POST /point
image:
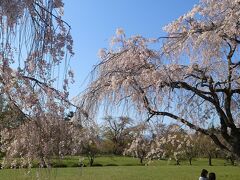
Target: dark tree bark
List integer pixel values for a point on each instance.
(178, 162)
(209, 159)
(190, 161)
(91, 159)
(141, 160)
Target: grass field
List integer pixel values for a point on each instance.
(130, 161)
(124, 168)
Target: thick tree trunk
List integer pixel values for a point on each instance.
(236, 146)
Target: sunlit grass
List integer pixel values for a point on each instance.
(124, 168)
(124, 172)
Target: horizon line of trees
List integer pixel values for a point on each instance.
(116, 136)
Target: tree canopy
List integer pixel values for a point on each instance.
(34, 56)
(34, 76)
(192, 78)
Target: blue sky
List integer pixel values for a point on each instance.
(94, 22)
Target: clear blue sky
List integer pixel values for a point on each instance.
(94, 22)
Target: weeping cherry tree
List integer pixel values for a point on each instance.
(35, 49)
(192, 78)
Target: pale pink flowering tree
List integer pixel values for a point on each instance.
(34, 77)
(39, 141)
(173, 143)
(206, 147)
(119, 131)
(91, 145)
(140, 145)
(165, 142)
(139, 148)
(34, 49)
(193, 78)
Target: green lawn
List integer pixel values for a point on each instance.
(101, 161)
(124, 173)
(124, 168)
(130, 161)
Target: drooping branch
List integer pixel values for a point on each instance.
(58, 93)
(175, 117)
(51, 14)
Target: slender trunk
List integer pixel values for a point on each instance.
(190, 161)
(232, 160)
(43, 162)
(91, 161)
(143, 153)
(209, 159)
